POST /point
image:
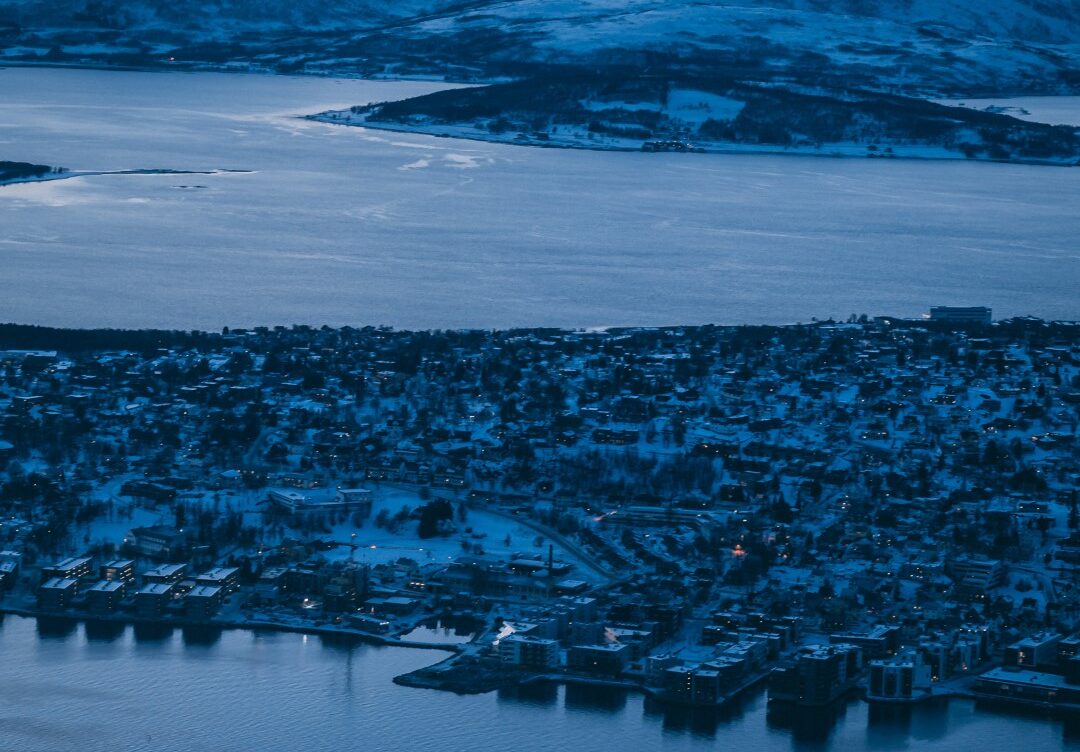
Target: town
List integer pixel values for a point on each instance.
(875, 507)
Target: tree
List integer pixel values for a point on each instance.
(432, 515)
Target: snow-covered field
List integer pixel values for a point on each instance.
(352, 226)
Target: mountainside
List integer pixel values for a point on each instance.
(820, 76)
(915, 46)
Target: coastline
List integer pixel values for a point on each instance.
(231, 624)
(836, 151)
(840, 151)
(67, 175)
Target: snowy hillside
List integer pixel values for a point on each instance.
(683, 113)
(925, 46)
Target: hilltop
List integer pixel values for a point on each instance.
(945, 46)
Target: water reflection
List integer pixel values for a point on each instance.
(103, 631)
(579, 697)
(810, 727)
(57, 683)
(444, 630)
(894, 726)
(151, 632)
(541, 694)
(202, 635)
(343, 643)
(56, 627)
(700, 721)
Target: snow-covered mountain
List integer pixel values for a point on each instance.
(916, 46)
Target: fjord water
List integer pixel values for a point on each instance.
(336, 225)
(67, 687)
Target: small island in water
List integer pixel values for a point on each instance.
(16, 172)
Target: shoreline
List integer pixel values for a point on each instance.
(232, 624)
(734, 149)
(67, 175)
(748, 150)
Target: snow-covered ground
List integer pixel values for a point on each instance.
(483, 531)
(348, 225)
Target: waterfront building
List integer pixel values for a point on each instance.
(961, 314)
(901, 677)
(394, 605)
(818, 675)
(203, 601)
(1028, 688)
(56, 593)
(152, 600)
(524, 651)
(105, 596)
(369, 624)
(609, 659)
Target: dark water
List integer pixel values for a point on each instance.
(78, 687)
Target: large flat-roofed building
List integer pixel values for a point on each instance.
(975, 576)
(1027, 688)
(880, 642)
(118, 569)
(105, 596)
(1035, 652)
(159, 541)
(227, 578)
(529, 652)
(369, 624)
(203, 601)
(68, 569)
(152, 599)
(304, 502)
(961, 314)
(818, 675)
(56, 593)
(900, 677)
(165, 574)
(609, 659)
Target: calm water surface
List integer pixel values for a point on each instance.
(336, 225)
(70, 688)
